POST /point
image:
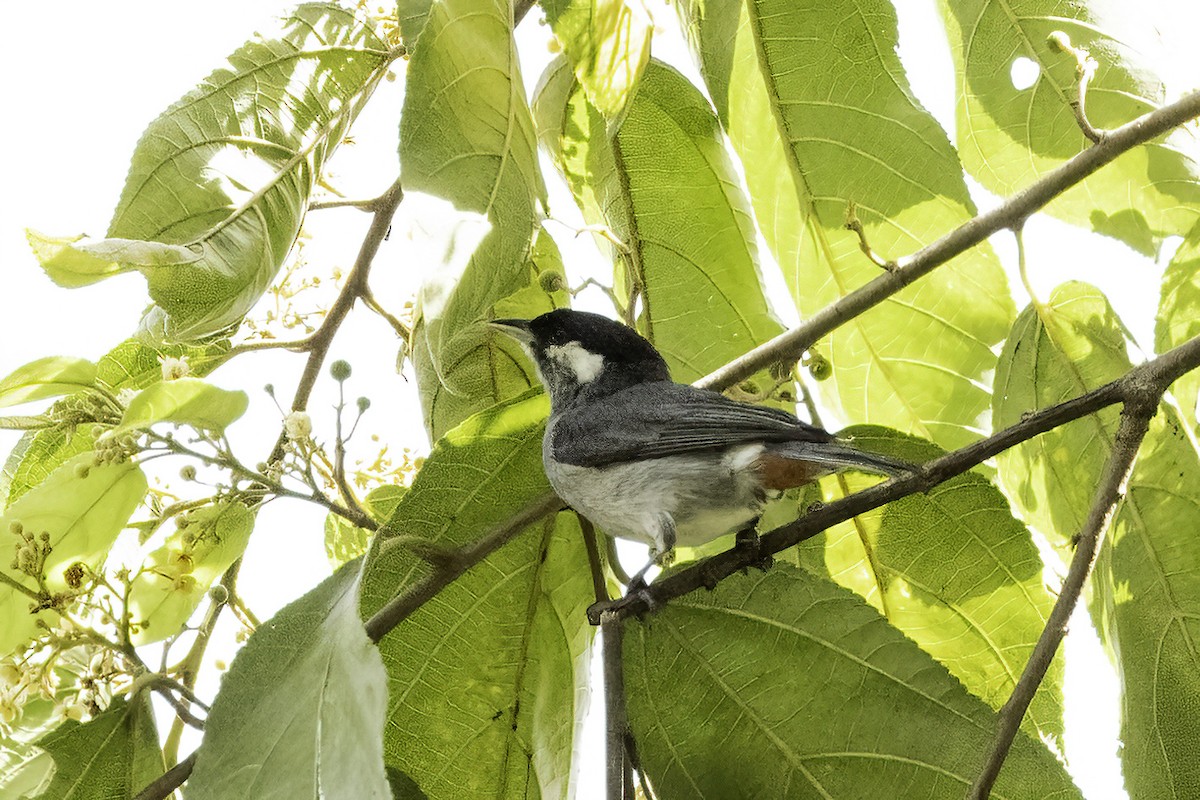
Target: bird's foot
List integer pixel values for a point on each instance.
(746, 540)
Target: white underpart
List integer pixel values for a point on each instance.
(585, 364)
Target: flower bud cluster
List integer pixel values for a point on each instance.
(31, 550)
(114, 448)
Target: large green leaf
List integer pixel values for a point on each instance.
(785, 685)
(301, 712)
(345, 541)
(818, 108)
(494, 369)
(1179, 317)
(177, 575)
(1008, 137)
(81, 507)
(133, 364)
(219, 183)
(1146, 588)
(46, 377)
(185, 401)
(608, 43)
(113, 755)
(665, 186)
(954, 571)
(487, 679)
(466, 137)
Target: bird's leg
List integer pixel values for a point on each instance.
(662, 552)
(746, 540)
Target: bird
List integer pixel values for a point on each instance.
(663, 463)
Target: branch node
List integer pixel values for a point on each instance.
(853, 223)
(1085, 70)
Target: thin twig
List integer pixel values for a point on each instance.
(707, 573)
(1135, 422)
(356, 281)
(520, 9)
(1085, 70)
(853, 223)
(162, 786)
(402, 331)
(454, 563)
(789, 345)
(368, 205)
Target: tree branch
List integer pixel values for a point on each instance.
(788, 346)
(1153, 376)
(1139, 408)
(162, 786)
(447, 569)
(618, 766)
(383, 209)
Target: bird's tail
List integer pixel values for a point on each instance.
(838, 456)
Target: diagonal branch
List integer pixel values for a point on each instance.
(1139, 408)
(1151, 377)
(788, 346)
(448, 567)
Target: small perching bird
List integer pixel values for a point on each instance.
(659, 462)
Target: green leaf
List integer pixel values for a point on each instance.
(82, 506)
(1009, 137)
(466, 137)
(608, 43)
(1146, 585)
(666, 188)
(43, 452)
(411, 16)
(114, 755)
(818, 108)
(46, 377)
(486, 679)
(345, 541)
(135, 364)
(495, 369)
(184, 401)
(219, 183)
(1179, 318)
(73, 261)
(954, 571)
(82, 517)
(175, 577)
(301, 711)
(785, 685)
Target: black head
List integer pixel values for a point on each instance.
(585, 355)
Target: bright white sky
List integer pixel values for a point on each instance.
(88, 77)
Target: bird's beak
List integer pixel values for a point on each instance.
(516, 328)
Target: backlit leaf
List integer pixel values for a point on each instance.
(1146, 586)
(219, 183)
(1008, 136)
(818, 108)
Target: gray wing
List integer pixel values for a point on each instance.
(651, 420)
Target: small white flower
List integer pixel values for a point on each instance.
(174, 368)
(298, 426)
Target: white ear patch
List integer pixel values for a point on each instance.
(585, 364)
